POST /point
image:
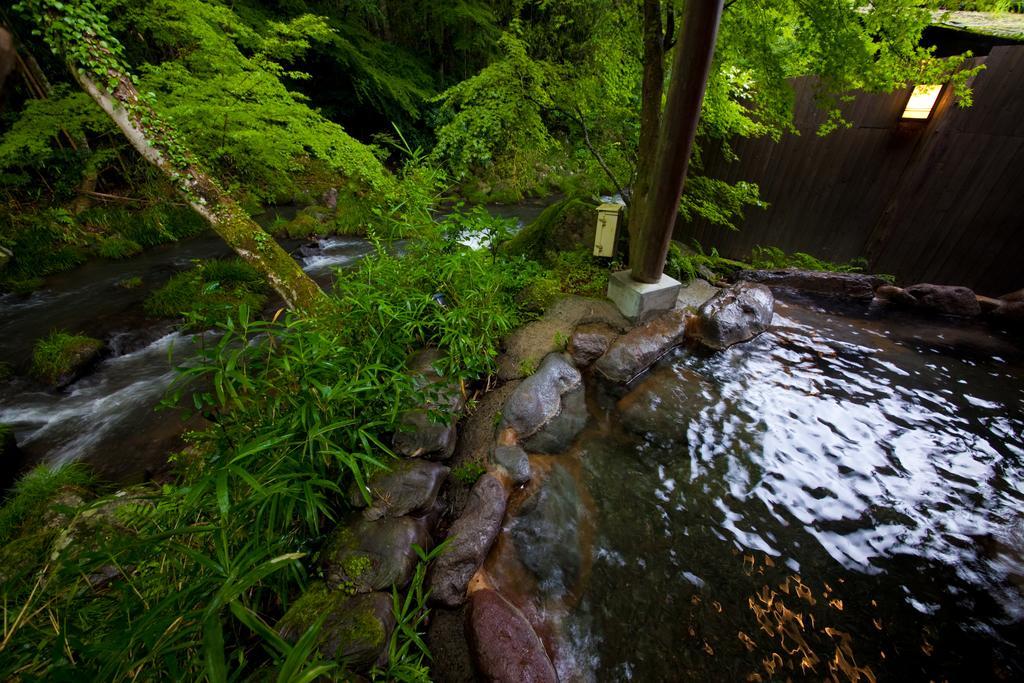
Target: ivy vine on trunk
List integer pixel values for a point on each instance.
(78, 32)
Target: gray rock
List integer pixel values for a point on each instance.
(558, 434)
(367, 555)
(946, 300)
(545, 532)
(589, 342)
(538, 399)
(471, 537)
(409, 487)
(515, 461)
(734, 315)
(844, 285)
(694, 294)
(641, 347)
(356, 628)
(504, 645)
(894, 295)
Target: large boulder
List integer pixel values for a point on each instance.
(1010, 313)
(420, 431)
(564, 226)
(368, 555)
(842, 285)
(409, 487)
(946, 299)
(558, 433)
(469, 540)
(641, 347)
(1017, 296)
(504, 645)
(734, 315)
(356, 629)
(695, 293)
(538, 399)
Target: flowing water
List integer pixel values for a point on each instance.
(108, 418)
(842, 497)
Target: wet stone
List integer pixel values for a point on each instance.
(409, 487)
(589, 342)
(946, 300)
(662, 406)
(538, 399)
(558, 434)
(641, 347)
(470, 539)
(841, 285)
(356, 628)
(504, 645)
(734, 315)
(515, 461)
(545, 532)
(368, 555)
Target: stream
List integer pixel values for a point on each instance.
(109, 418)
(842, 497)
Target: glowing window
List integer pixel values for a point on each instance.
(921, 102)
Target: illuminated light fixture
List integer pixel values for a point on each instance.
(922, 102)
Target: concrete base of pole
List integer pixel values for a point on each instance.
(640, 301)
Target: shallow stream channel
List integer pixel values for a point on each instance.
(841, 498)
(109, 418)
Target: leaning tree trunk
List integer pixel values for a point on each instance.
(690, 69)
(79, 32)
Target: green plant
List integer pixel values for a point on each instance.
(561, 341)
(208, 291)
(117, 247)
(6, 371)
(769, 258)
(60, 353)
(130, 282)
(28, 500)
(468, 472)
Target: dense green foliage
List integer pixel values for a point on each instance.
(208, 291)
(198, 572)
(60, 353)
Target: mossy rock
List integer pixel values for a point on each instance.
(117, 247)
(61, 357)
(355, 628)
(302, 226)
(365, 555)
(209, 290)
(568, 225)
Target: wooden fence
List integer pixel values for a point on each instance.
(941, 201)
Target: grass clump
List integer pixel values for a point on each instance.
(208, 291)
(58, 355)
(32, 495)
(469, 472)
(117, 247)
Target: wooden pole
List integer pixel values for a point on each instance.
(690, 70)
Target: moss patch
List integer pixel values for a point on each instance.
(117, 247)
(568, 225)
(208, 291)
(58, 356)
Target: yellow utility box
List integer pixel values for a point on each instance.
(607, 229)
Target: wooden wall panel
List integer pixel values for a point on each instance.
(939, 202)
